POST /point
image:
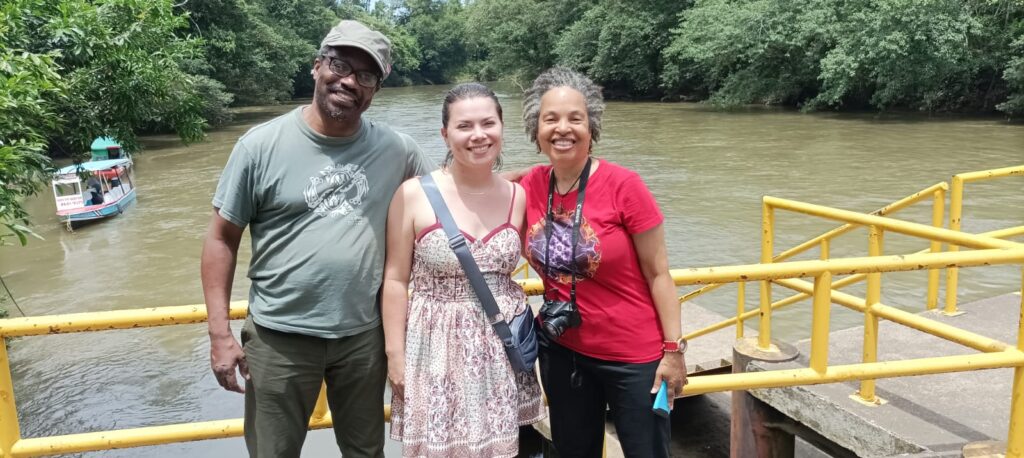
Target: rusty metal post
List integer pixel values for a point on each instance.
(753, 431)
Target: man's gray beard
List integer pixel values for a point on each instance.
(339, 114)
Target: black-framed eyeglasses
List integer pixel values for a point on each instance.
(343, 69)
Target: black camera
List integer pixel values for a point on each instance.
(557, 316)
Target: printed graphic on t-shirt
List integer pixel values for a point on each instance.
(337, 190)
(588, 247)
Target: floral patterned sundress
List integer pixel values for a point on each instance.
(462, 398)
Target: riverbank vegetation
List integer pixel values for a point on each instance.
(72, 70)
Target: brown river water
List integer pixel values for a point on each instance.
(708, 170)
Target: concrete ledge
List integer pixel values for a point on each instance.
(933, 415)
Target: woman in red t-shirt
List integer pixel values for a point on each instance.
(610, 317)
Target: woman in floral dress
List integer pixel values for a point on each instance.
(454, 392)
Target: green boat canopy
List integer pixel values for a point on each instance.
(104, 148)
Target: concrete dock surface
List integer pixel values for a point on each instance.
(931, 415)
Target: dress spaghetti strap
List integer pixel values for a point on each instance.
(511, 205)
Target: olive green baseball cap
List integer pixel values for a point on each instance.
(358, 35)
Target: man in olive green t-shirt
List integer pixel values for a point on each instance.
(313, 186)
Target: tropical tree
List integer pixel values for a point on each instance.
(255, 56)
(439, 29)
(619, 44)
(28, 88)
(928, 55)
(518, 38)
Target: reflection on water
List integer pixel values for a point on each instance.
(708, 170)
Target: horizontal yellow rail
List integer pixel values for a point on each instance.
(867, 264)
(155, 435)
(163, 316)
(905, 202)
(140, 437)
(911, 320)
(844, 373)
(994, 173)
(924, 194)
(892, 224)
(114, 319)
(846, 281)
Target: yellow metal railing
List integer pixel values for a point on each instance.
(742, 314)
(876, 225)
(937, 192)
(996, 354)
(956, 209)
(989, 249)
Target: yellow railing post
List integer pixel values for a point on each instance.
(741, 307)
(10, 432)
(938, 204)
(320, 409)
(820, 315)
(956, 204)
(767, 235)
(874, 295)
(1015, 438)
(820, 321)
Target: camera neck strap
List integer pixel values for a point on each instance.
(577, 220)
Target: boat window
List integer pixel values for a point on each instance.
(65, 189)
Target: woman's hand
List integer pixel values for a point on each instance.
(396, 374)
(672, 370)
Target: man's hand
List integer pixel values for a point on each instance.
(225, 356)
(672, 370)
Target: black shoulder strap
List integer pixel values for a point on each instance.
(457, 242)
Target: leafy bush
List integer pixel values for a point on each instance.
(921, 54)
(618, 44)
(29, 90)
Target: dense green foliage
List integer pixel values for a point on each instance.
(27, 82)
(75, 69)
(929, 55)
(256, 48)
(121, 62)
(920, 54)
(71, 70)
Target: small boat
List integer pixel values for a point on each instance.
(95, 189)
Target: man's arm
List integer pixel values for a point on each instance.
(220, 252)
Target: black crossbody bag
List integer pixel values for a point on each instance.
(519, 336)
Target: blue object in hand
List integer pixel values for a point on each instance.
(661, 401)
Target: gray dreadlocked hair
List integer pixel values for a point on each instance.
(562, 77)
